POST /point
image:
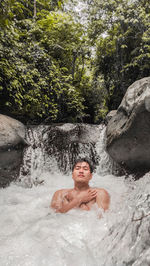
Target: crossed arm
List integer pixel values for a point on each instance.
(61, 204)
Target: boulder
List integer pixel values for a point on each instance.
(12, 132)
(128, 131)
(109, 116)
(12, 141)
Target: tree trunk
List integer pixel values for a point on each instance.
(34, 16)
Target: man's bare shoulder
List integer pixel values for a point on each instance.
(62, 191)
(102, 191)
(103, 198)
(58, 197)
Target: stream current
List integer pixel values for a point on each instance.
(32, 234)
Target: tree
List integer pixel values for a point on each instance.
(121, 32)
(36, 68)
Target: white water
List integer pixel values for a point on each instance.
(32, 234)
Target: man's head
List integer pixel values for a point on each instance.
(82, 171)
(83, 160)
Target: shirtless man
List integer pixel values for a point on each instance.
(81, 196)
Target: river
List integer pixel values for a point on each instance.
(32, 234)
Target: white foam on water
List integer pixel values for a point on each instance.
(32, 234)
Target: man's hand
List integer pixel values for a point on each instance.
(86, 196)
(63, 201)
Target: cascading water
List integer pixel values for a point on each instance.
(32, 234)
(55, 148)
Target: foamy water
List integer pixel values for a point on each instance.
(32, 234)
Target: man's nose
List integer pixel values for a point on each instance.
(81, 170)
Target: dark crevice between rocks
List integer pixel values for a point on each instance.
(10, 161)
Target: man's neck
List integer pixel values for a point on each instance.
(81, 186)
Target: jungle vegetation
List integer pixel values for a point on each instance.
(53, 68)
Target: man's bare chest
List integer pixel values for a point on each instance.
(85, 205)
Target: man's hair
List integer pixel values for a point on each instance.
(80, 160)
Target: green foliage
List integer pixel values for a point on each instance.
(121, 32)
(36, 69)
(48, 70)
(5, 12)
(25, 9)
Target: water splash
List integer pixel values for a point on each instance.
(32, 234)
(55, 148)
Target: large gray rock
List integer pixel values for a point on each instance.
(109, 116)
(128, 131)
(12, 132)
(12, 140)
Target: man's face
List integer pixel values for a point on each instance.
(81, 172)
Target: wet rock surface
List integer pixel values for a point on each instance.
(128, 131)
(12, 141)
(12, 132)
(131, 244)
(10, 162)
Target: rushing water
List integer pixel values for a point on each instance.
(32, 234)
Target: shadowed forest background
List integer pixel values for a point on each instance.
(55, 68)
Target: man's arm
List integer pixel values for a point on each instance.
(103, 199)
(61, 204)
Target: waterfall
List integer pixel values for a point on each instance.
(32, 234)
(55, 148)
